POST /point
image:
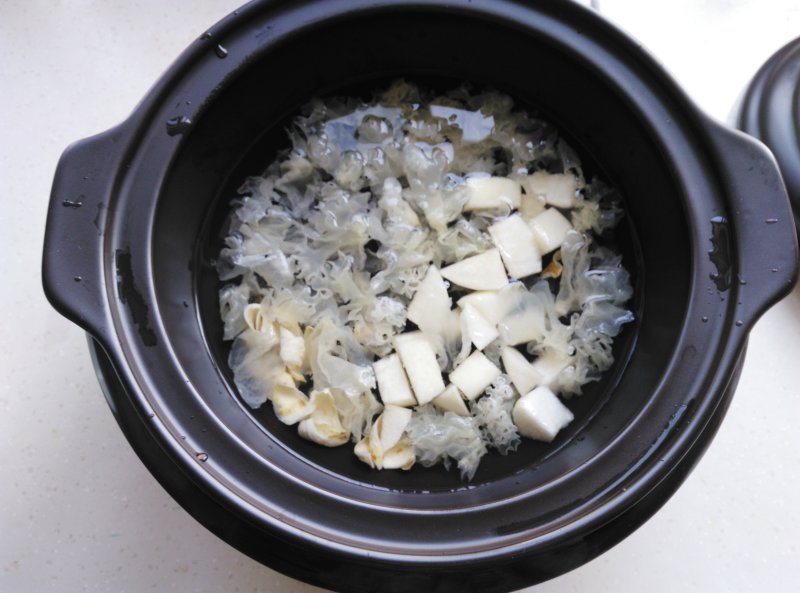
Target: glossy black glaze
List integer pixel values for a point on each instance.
(155, 191)
(769, 111)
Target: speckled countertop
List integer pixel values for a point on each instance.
(79, 512)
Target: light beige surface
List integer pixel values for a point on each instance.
(78, 511)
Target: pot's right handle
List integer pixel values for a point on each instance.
(762, 219)
(72, 264)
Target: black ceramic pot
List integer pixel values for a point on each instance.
(133, 265)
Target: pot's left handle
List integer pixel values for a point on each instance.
(762, 219)
(72, 265)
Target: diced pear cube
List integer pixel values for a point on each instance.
(539, 415)
(419, 361)
(494, 304)
(480, 331)
(474, 375)
(430, 306)
(531, 206)
(486, 193)
(549, 230)
(520, 371)
(514, 240)
(484, 271)
(484, 301)
(542, 372)
(391, 424)
(392, 382)
(549, 365)
(558, 189)
(450, 400)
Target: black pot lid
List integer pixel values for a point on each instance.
(770, 111)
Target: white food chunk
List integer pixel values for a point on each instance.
(549, 365)
(474, 375)
(484, 271)
(516, 244)
(450, 400)
(558, 189)
(419, 361)
(293, 349)
(392, 382)
(486, 302)
(323, 425)
(520, 371)
(430, 306)
(391, 424)
(539, 415)
(488, 193)
(549, 229)
(531, 206)
(478, 329)
(494, 304)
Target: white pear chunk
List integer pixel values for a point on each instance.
(392, 382)
(549, 229)
(494, 304)
(290, 404)
(419, 361)
(520, 371)
(485, 302)
(539, 415)
(478, 329)
(487, 193)
(391, 424)
(549, 365)
(323, 425)
(293, 349)
(474, 375)
(531, 206)
(514, 240)
(450, 400)
(484, 271)
(430, 307)
(557, 189)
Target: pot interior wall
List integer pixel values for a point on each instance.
(242, 128)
